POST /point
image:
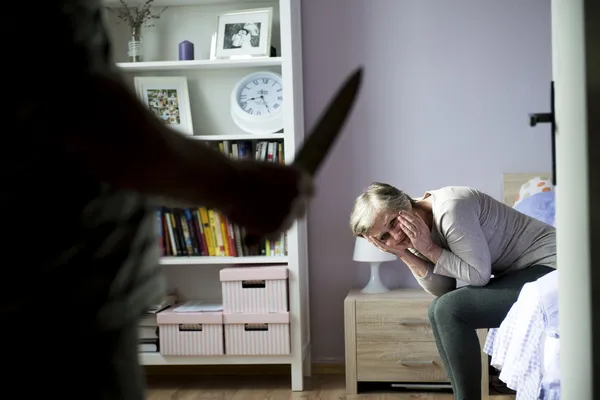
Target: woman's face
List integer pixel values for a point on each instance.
(387, 229)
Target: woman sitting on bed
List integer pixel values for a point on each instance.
(458, 233)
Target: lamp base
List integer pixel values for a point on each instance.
(375, 285)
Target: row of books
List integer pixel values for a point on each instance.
(207, 232)
(263, 150)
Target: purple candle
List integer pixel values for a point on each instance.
(186, 50)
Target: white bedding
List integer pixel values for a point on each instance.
(525, 348)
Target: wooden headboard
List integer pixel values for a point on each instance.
(512, 183)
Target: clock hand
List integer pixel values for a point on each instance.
(266, 105)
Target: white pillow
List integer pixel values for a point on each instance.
(533, 186)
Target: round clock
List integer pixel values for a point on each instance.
(257, 103)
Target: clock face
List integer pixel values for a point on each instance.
(261, 95)
(257, 103)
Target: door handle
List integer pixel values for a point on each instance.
(548, 118)
(540, 118)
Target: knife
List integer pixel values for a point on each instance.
(316, 147)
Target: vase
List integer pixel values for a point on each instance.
(135, 47)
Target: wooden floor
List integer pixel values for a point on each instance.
(320, 387)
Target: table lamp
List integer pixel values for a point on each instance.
(364, 251)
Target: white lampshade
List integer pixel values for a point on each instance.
(366, 252)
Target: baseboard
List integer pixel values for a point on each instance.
(265, 369)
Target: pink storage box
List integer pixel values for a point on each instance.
(190, 333)
(257, 334)
(255, 289)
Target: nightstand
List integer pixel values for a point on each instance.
(389, 339)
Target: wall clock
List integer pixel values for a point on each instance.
(257, 103)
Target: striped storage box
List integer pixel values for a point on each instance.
(190, 333)
(257, 334)
(255, 289)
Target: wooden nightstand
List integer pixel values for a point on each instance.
(389, 339)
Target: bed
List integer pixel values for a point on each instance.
(525, 348)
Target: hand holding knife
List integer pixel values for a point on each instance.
(316, 147)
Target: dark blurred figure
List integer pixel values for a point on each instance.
(84, 165)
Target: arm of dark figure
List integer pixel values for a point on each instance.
(119, 141)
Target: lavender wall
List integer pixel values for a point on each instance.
(447, 91)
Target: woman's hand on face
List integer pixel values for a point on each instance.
(417, 231)
(398, 250)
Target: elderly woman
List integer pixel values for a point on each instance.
(458, 233)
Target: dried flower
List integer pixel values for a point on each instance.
(138, 15)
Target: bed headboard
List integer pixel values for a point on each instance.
(512, 183)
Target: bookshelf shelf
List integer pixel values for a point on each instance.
(222, 260)
(175, 3)
(158, 359)
(199, 64)
(241, 137)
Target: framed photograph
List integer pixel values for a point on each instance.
(245, 33)
(168, 98)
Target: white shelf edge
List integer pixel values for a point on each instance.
(159, 359)
(199, 64)
(223, 260)
(180, 3)
(241, 136)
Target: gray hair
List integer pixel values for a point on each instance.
(378, 196)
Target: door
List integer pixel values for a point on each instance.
(576, 75)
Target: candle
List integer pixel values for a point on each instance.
(186, 50)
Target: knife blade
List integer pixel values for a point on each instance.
(316, 147)
(311, 156)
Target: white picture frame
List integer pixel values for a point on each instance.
(168, 99)
(244, 33)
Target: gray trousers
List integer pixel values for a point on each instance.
(456, 315)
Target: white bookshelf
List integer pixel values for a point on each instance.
(180, 3)
(224, 260)
(151, 66)
(157, 359)
(210, 83)
(235, 137)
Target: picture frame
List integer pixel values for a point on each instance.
(244, 33)
(168, 99)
